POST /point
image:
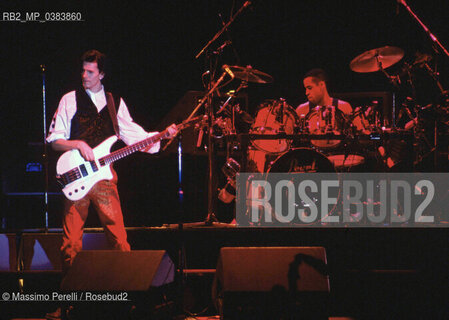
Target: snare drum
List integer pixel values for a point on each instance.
(273, 117)
(325, 120)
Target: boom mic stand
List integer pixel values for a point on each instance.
(429, 33)
(211, 194)
(211, 218)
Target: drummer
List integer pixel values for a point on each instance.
(315, 82)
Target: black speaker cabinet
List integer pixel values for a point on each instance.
(272, 282)
(112, 270)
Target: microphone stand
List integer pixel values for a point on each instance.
(437, 44)
(181, 243)
(211, 204)
(211, 187)
(45, 151)
(429, 33)
(211, 218)
(225, 26)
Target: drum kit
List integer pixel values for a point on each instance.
(328, 140)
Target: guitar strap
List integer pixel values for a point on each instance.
(112, 112)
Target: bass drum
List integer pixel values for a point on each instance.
(274, 116)
(322, 121)
(302, 160)
(305, 160)
(346, 162)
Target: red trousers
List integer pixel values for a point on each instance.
(104, 197)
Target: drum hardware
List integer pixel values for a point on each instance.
(280, 115)
(233, 112)
(326, 121)
(423, 62)
(421, 121)
(231, 167)
(212, 89)
(430, 131)
(364, 120)
(230, 170)
(222, 127)
(225, 126)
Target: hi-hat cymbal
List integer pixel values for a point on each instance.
(375, 59)
(249, 74)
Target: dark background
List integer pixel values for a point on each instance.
(151, 46)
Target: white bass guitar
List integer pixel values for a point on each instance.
(77, 176)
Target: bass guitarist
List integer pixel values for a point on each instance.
(84, 118)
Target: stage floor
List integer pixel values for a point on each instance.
(390, 272)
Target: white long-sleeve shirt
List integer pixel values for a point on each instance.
(130, 132)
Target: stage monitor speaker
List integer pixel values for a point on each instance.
(264, 282)
(8, 254)
(95, 241)
(112, 270)
(41, 251)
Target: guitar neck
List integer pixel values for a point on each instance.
(126, 151)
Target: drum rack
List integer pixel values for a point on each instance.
(244, 139)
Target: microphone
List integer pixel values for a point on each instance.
(246, 4)
(228, 70)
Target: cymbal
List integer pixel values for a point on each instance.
(249, 74)
(369, 60)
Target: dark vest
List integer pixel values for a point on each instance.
(88, 124)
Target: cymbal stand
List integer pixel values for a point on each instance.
(395, 80)
(281, 115)
(232, 95)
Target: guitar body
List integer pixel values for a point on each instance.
(77, 176)
(90, 172)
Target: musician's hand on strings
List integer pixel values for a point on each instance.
(85, 150)
(65, 145)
